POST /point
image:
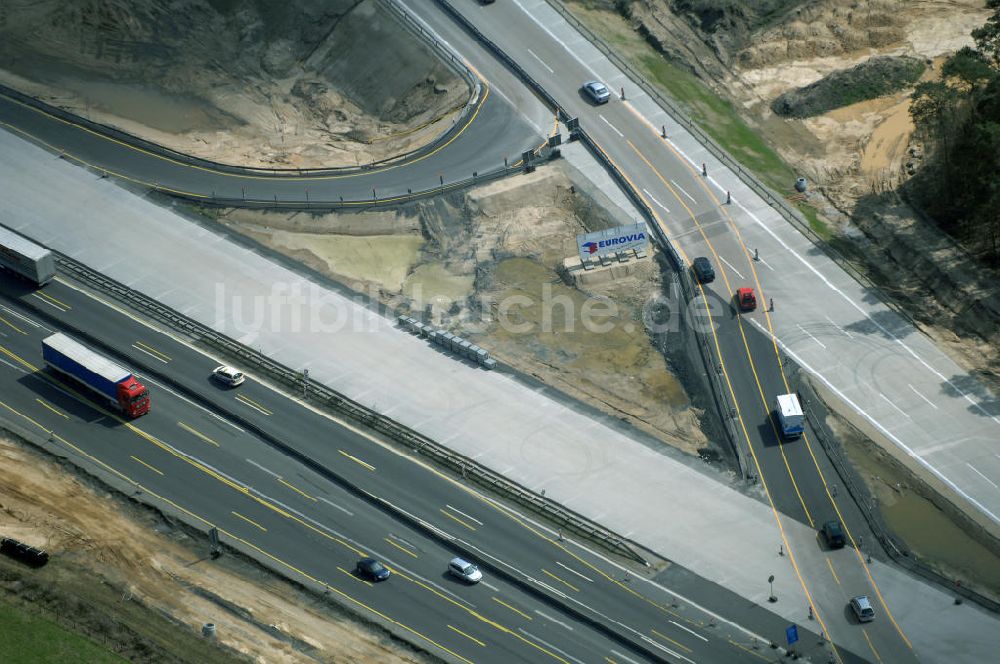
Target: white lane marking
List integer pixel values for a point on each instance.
(612, 126)
(266, 470)
(766, 264)
(973, 469)
(143, 350)
(551, 619)
(810, 336)
(57, 307)
(621, 656)
(457, 511)
(333, 504)
(14, 366)
(690, 631)
(553, 37)
(878, 425)
(247, 403)
(731, 267)
(929, 402)
(550, 588)
(674, 182)
(570, 569)
(24, 318)
(664, 648)
(416, 518)
(849, 335)
(535, 55)
(493, 588)
(900, 410)
(550, 646)
(653, 198)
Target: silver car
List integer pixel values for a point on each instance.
(464, 570)
(862, 608)
(228, 376)
(597, 91)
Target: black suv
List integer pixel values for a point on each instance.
(703, 270)
(834, 535)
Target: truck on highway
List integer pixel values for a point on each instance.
(25, 258)
(790, 416)
(105, 380)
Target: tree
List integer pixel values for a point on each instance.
(987, 38)
(930, 100)
(969, 66)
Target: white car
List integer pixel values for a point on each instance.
(464, 570)
(597, 91)
(228, 376)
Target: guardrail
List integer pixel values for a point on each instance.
(712, 368)
(320, 394)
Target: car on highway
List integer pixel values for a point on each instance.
(745, 299)
(703, 270)
(228, 376)
(464, 570)
(862, 608)
(597, 91)
(373, 570)
(833, 533)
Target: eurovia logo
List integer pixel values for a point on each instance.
(591, 247)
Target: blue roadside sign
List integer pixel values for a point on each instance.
(792, 634)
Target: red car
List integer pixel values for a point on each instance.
(745, 299)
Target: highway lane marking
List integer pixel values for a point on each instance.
(871, 645)
(973, 469)
(653, 198)
(822, 345)
(253, 404)
(664, 636)
(681, 189)
(135, 458)
(765, 264)
(197, 434)
(335, 505)
(562, 581)
(357, 460)
(296, 489)
(849, 335)
(160, 386)
(24, 318)
(550, 646)
(929, 402)
(738, 274)
(11, 325)
(514, 609)
(401, 548)
(354, 576)
(898, 409)
(551, 70)
(570, 569)
(14, 366)
(458, 511)
(41, 299)
(250, 521)
(621, 656)
(662, 647)
(752, 652)
(614, 128)
(53, 409)
(551, 619)
(266, 470)
(455, 518)
(689, 631)
(58, 304)
(471, 638)
(152, 352)
(829, 563)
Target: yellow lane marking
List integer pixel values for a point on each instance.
(471, 638)
(357, 460)
(355, 576)
(871, 645)
(253, 404)
(17, 358)
(514, 609)
(250, 521)
(297, 490)
(562, 581)
(664, 636)
(52, 300)
(401, 548)
(745, 649)
(57, 412)
(455, 518)
(135, 458)
(163, 357)
(829, 564)
(11, 325)
(197, 434)
(609, 660)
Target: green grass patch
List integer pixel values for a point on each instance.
(815, 223)
(28, 639)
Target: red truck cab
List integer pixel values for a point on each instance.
(133, 397)
(745, 299)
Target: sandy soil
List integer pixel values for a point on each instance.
(463, 255)
(46, 505)
(302, 84)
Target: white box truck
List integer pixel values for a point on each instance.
(25, 258)
(790, 416)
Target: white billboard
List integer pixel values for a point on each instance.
(611, 240)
